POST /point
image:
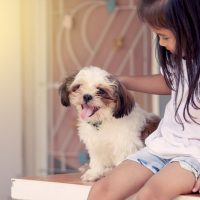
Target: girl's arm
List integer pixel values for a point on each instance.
(153, 84)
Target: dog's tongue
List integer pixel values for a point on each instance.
(86, 112)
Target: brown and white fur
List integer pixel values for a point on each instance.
(110, 123)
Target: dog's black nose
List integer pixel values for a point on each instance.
(87, 98)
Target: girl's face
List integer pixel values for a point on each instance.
(166, 38)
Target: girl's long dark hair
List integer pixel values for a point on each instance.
(182, 17)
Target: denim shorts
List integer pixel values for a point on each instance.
(156, 163)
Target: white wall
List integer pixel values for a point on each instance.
(10, 95)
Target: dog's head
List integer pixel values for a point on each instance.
(96, 94)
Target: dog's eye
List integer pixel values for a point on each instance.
(75, 87)
(101, 91)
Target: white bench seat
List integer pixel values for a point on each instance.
(59, 187)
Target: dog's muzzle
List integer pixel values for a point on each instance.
(87, 109)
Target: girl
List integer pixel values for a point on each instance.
(169, 165)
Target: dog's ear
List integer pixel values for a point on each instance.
(64, 90)
(124, 100)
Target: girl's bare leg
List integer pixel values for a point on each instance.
(121, 182)
(170, 182)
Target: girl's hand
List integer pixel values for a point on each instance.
(196, 187)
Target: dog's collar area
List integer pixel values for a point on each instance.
(96, 124)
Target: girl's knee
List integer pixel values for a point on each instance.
(147, 193)
(100, 190)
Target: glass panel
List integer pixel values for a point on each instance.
(84, 33)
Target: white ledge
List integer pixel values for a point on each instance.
(59, 187)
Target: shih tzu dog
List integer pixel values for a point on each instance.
(110, 123)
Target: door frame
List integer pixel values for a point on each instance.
(34, 78)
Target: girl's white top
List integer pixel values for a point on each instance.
(170, 139)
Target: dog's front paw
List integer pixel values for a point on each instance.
(91, 175)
